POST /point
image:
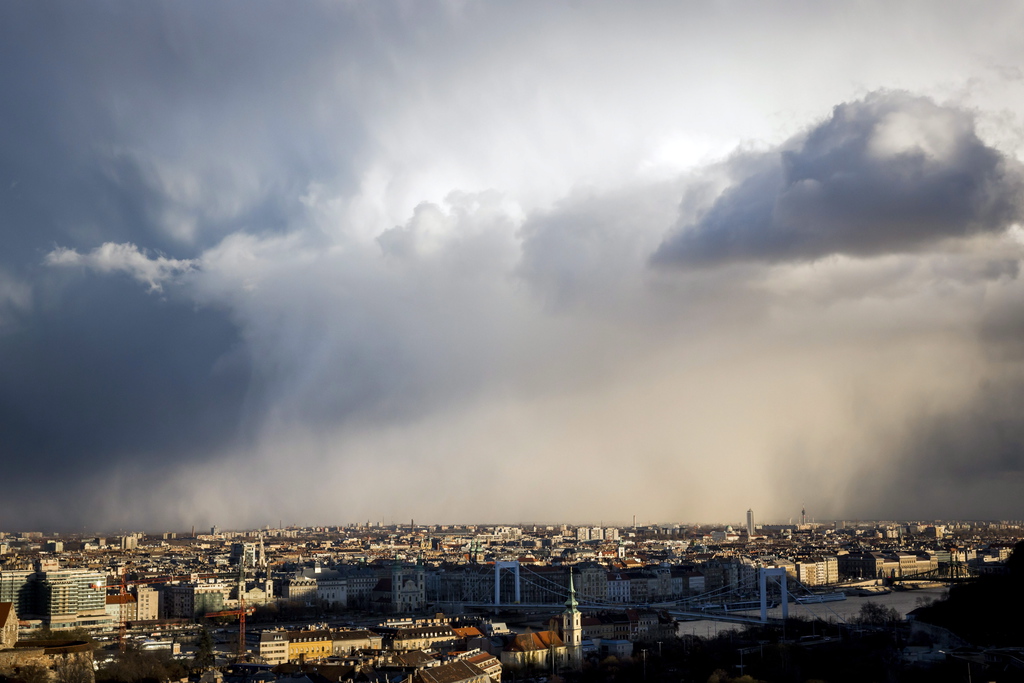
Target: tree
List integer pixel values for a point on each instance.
(204, 650)
(872, 614)
(33, 673)
(45, 633)
(985, 610)
(42, 633)
(74, 668)
(133, 666)
(1015, 562)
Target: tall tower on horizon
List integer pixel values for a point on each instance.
(803, 516)
(750, 523)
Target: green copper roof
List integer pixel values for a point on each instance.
(571, 604)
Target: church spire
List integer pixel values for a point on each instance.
(572, 628)
(571, 605)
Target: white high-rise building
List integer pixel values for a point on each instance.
(750, 522)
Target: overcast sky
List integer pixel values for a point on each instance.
(509, 262)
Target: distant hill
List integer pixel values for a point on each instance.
(988, 611)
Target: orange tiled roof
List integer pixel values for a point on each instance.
(542, 640)
(468, 632)
(484, 660)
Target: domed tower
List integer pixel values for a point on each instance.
(572, 628)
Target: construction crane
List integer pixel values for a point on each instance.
(122, 595)
(122, 618)
(240, 612)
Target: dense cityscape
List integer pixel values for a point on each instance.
(453, 603)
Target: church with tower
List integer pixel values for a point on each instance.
(572, 628)
(558, 648)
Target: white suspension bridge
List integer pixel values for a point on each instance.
(728, 604)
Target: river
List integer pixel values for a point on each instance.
(842, 610)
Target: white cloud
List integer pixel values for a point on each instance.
(126, 258)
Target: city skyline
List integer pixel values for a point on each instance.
(469, 261)
(770, 526)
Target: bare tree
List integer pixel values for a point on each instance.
(33, 673)
(872, 614)
(74, 668)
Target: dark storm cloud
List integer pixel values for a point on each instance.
(171, 126)
(245, 241)
(970, 461)
(889, 173)
(962, 463)
(160, 125)
(102, 376)
(167, 125)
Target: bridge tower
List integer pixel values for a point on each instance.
(764, 573)
(498, 566)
